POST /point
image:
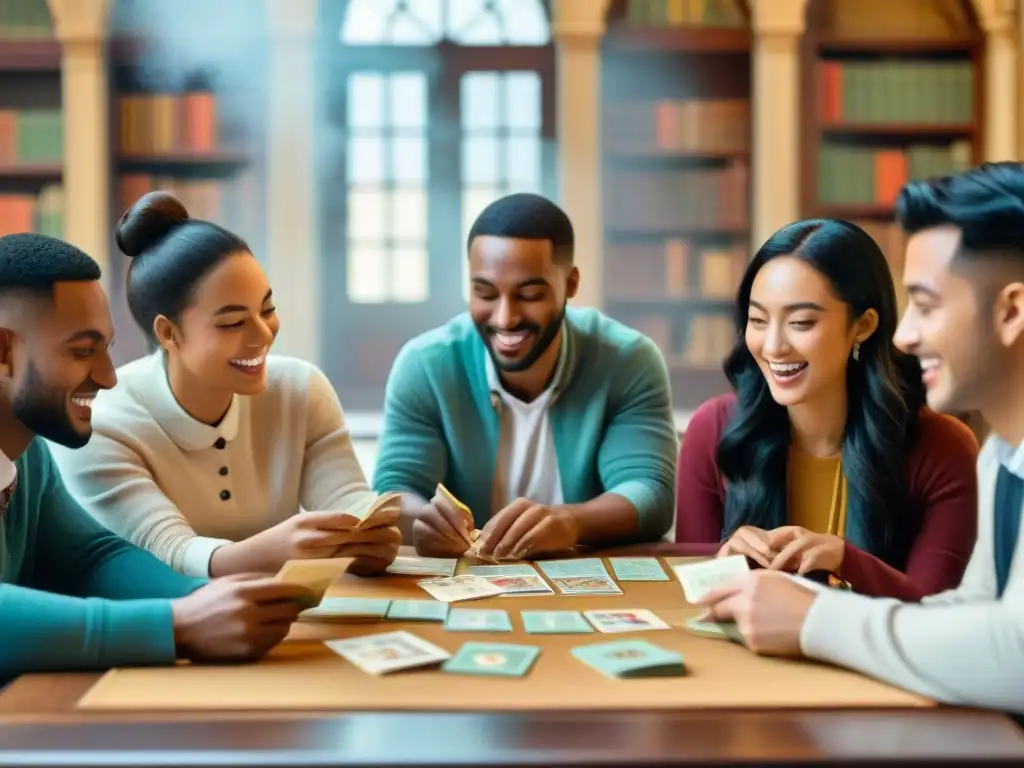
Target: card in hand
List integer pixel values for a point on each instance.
(638, 569)
(417, 610)
(499, 659)
(409, 565)
(478, 620)
(700, 578)
(722, 630)
(388, 652)
(555, 623)
(465, 586)
(384, 512)
(631, 658)
(314, 575)
(347, 609)
(631, 620)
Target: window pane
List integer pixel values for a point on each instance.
(365, 100)
(409, 215)
(404, 29)
(409, 160)
(408, 100)
(367, 214)
(367, 274)
(430, 16)
(480, 160)
(522, 100)
(482, 29)
(409, 280)
(365, 19)
(462, 14)
(365, 160)
(522, 162)
(524, 22)
(480, 93)
(474, 200)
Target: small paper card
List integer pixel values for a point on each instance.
(383, 513)
(629, 620)
(498, 659)
(347, 609)
(638, 569)
(583, 576)
(388, 652)
(631, 658)
(417, 610)
(407, 565)
(555, 623)
(515, 579)
(478, 620)
(314, 575)
(725, 630)
(699, 578)
(465, 586)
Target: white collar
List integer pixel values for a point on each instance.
(1011, 457)
(188, 433)
(8, 471)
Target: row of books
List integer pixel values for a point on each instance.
(698, 340)
(710, 199)
(678, 13)
(42, 213)
(25, 19)
(855, 175)
(698, 125)
(872, 92)
(675, 269)
(31, 136)
(156, 123)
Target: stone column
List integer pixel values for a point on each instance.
(775, 166)
(578, 27)
(293, 254)
(80, 26)
(997, 19)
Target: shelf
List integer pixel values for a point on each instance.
(40, 172)
(677, 40)
(641, 305)
(855, 211)
(906, 45)
(675, 155)
(184, 159)
(30, 55)
(952, 130)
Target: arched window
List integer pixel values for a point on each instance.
(433, 108)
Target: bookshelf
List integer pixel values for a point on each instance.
(895, 97)
(31, 121)
(676, 130)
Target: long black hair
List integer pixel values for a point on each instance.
(884, 394)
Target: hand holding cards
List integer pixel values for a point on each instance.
(699, 578)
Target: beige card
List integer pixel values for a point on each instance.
(315, 575)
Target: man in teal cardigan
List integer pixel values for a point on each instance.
(552, 425)
(73, 596)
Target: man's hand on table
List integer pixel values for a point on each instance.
(524, 529)
(768, 607)
(441, 529)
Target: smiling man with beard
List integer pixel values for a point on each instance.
(552, 424)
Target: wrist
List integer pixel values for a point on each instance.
(179, 625)
(571, 522)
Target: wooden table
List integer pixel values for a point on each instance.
(40, 725)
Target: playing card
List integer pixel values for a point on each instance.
(630, 620)
(388, 652)
(725, 630)
(465, 586)
(409, 565)
(384, 512)
(555, 623)
(631, 658)
(638, 569)
(698, 578)
(584, 576)
(499, 659)
(513, 580)
(417, 610)
(314, 575)
(478, 620)
(347, 609)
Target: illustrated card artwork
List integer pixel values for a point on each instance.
(699, 578)
(465, 586)
(388, 652)
(514, 579)
(583, 576)
(638, 569)
(408, 565)
(631, 620)
(497, 659)
(478, 620)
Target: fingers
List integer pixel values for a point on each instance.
(268, 590)
(783, 560)
(370, 566)
(328, 520)
(443, 517)
(430, 543)
(751, 543)
(374, 551)
(724, 591)
(722, 610)
(532, 540)
(811, 560)
(526, 522)
(279, 613)
(497, 527)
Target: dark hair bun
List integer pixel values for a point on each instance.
(148, 221)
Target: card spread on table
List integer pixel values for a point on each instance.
(584, 576)
(417, 610)
(724, 630)
(478, 620)
(628, 620)
(411, 565)
(499, 659)
(347, 609)
(388, 652)
(699, 578)
(638, 569)
(465, 586)
(555, 623)
(631, 658)
(314, 575)
(517, 579)
(384, 512)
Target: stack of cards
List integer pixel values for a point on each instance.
(638, 569)
(555, 623)
(407, 565)
(417, 610)
(722, 630)
(513, 579)
(632, 620)
(347, 609)
(465, 586)
(631, 658)
(478, 620)
(500, 659)
(586, 576)
(699, 578)
(388, 652)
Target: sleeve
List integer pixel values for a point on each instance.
(700, 502)
(637, 459)
(966, 655)
(332, 478)
(946, 484)
(117, 488)
(412, 454)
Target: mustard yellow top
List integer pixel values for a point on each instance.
(816, 491)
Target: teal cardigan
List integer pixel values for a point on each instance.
(611, 417)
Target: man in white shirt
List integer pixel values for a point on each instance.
(964, 272)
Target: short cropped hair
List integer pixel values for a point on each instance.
(530, 217)
(986, 204)
(33, 263)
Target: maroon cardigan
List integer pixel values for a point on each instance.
(942, 486)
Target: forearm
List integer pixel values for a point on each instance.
(250, 555)
(870, 576)
(412, 503)
(607, 519)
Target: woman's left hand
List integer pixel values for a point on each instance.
(802, 551)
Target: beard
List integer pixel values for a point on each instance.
(543, 338)
(44, 411)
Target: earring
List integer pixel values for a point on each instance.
(856, 351)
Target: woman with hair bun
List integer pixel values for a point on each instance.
(214, 455)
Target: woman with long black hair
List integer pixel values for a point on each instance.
(825, 457)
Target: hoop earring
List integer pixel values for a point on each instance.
(856, 351)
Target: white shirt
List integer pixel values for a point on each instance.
(181, 488)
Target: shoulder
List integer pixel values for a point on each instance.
(36, 464)
(943, 445)
(441, 355)
(293, 385)
(607, 350)
(709, 420)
